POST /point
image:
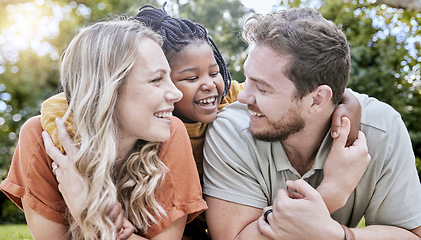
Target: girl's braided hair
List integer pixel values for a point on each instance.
(178, 33)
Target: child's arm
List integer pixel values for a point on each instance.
(343, 168)
(349, 107)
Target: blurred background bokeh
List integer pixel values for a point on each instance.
(384, 36)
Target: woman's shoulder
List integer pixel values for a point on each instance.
(179, 138)
(32, 126)
(177, 125)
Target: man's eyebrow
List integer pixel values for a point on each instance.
(260, 81)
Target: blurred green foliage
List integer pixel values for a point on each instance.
(15, 232)
(385, 64)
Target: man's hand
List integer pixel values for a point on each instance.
(299, 215)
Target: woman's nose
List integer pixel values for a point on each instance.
(174, 95)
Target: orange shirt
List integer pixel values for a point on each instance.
(30, 178)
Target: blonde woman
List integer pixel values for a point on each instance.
(116, 81)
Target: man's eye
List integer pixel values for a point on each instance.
(260, 90)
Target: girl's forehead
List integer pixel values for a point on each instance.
(180, 49)
(197, 43)
(195, 49)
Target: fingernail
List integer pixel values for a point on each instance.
(334, 134)
(343, 122)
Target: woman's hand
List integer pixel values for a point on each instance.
(71, 185)
(343, 168)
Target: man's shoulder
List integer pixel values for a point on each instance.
(235, 114)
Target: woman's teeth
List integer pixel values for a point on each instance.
(163, 114)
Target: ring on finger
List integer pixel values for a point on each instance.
(265, 216)
(55, 166)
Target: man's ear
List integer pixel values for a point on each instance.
(322, 97)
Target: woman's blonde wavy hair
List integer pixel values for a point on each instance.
(94, 66)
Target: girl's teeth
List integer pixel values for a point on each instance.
(208, 100)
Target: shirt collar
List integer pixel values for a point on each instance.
(279, 155)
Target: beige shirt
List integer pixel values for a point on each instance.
(240, 169)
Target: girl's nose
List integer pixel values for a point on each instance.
(208, 84)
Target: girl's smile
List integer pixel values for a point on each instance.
(196, 74)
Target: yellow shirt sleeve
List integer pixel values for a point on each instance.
(52, 108)
(231, 97)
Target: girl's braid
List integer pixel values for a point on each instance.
(178, 33)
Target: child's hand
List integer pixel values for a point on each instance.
(343, 168)
(123, 227)
(126, 231)
(350, 108)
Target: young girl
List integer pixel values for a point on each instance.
(200, 73)
(120, 101)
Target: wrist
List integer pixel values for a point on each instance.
(348, 233)
(332, 195)
(336, 232)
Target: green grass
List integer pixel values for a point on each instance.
(21, 231)
(362, 223)
(14, 232)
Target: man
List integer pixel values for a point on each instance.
(277, 137)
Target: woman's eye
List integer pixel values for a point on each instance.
(191, 78)
(157, 80)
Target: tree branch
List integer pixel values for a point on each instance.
(405, 4)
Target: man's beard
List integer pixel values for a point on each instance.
(280, 130)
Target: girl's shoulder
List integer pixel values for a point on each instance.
(231, 96)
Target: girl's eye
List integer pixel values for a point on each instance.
(214, 74)
(191, 78)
